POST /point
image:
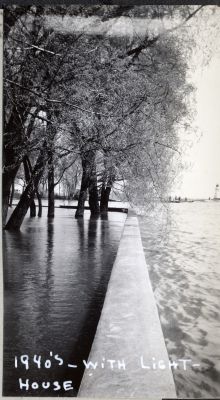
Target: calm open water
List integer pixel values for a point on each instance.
(183, 255)
(55, 278)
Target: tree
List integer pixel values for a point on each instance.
(17, 217)
(104, 96)
(19, 72)
(133, 108)
(28, 174)
(29, 47)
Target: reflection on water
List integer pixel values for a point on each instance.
(184, 259)
(55, 278)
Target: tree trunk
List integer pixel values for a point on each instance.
(28, 173)
(12, 142)
(21, 209)
(50, 213)
(83, 190)
(12, 194)
(10, 170)
(6, 188)
(106, 190)
(33, 209)
(88, 182)
(94, 201)
(8, 177)
(39, 204)
(93, 193)
(105, 194)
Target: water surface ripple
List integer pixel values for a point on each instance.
(55, 278)
(183, 255)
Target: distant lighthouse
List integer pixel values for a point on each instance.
(216, 195)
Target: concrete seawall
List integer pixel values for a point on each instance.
(129, 332)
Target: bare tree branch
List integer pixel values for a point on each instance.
(150, 42)
(64, 170)
(169, 147)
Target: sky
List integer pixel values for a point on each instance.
(203, 159)
(203, 172)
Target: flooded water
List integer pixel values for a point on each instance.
(55, 278)
(183, 255)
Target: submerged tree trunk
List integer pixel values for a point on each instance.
(39, 204)
(12, 194)
(88, 183)
(94, 200)
(12, 142)
(50, 213)
(83, 191)
(10, 170)
(105, 194)
(106, 190)
(28, 173)
(27, 196)
(33, 209)
(8, 177)
(93, 192)
(6, 188)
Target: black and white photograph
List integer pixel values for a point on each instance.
(111, 200)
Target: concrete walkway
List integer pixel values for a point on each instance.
(129, 337)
